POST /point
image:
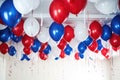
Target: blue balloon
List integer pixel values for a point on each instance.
(47, 49)
(36, 45)
(115, 24)
(82, 47)
(81, 55)
(8, 14)
(5, 35)
(11, 51)
(16, 38)
(100, 46)
(25, 57)
(56, 31)
(68, 49)
(106, 33)
(88, 41)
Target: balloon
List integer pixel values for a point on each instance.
(88, 41)
(93, 46)
(47, 49)
(100, 46)
(77, 56)
(9, 15)
(43, 56)
(82, 47)
(36, 45)
(95, 29)
(42, 35)
(56, 31)
(62, 44)
(18, 29)
(104, 52)
(36, 3)
(12, 51)
(115, 40)
(27, 41)
(62, 54)
(5, 35)
(25, 57)
(115, 24)
(2, 26)
(81, 32)
(69, 33)
(16, 38)
(75, 6)
(23, 6)
(119, 4)
(106, 32)
(26, 50)
(3, 48)
(102, 6)
(31, 27)
(94, 1)
(58, 11)
(68, 49)
(81, 55)
(43, 46)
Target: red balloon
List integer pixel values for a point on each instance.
(93, 46)
(3, 48)
(115, 40)
(43, 46)
(27, 41)
(27, 51)
(1, 22)
(119, 4)
(62, 44)
(69, 33)
(77, 56)
(95, 30)
(75, 6)
(62, 54)
(18, 30)
(43, 56)
(104, 52)
(58, 11)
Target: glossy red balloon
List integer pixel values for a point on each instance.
(3, 48)
(27, 51)
(93, 46)
(62, 44)
(43, 56)
(69, 33)
(27, 41)
(62, 54)
(77, 56)
(115, 40)
(95, 30)
(75, 6)
(58, 11)
(104, 52)
(18, 30)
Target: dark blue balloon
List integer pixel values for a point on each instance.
(68, 49)
(100, 46)
(25, 57)
(106, 32)
(81, 55)
(115, 24)
(82, 47)
(36, 45)
(88, 41)
(47, 49)
(11, 51)
(9, 15)
(5, 34)
(56, 31)
(16, 38)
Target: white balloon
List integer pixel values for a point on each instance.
(31, 26)
(2, 26)
(94, 1)
(81, 32)
(43, 36)
(23, 6)
(107, 6)
(36, 3)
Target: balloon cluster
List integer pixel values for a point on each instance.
(60, 9)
